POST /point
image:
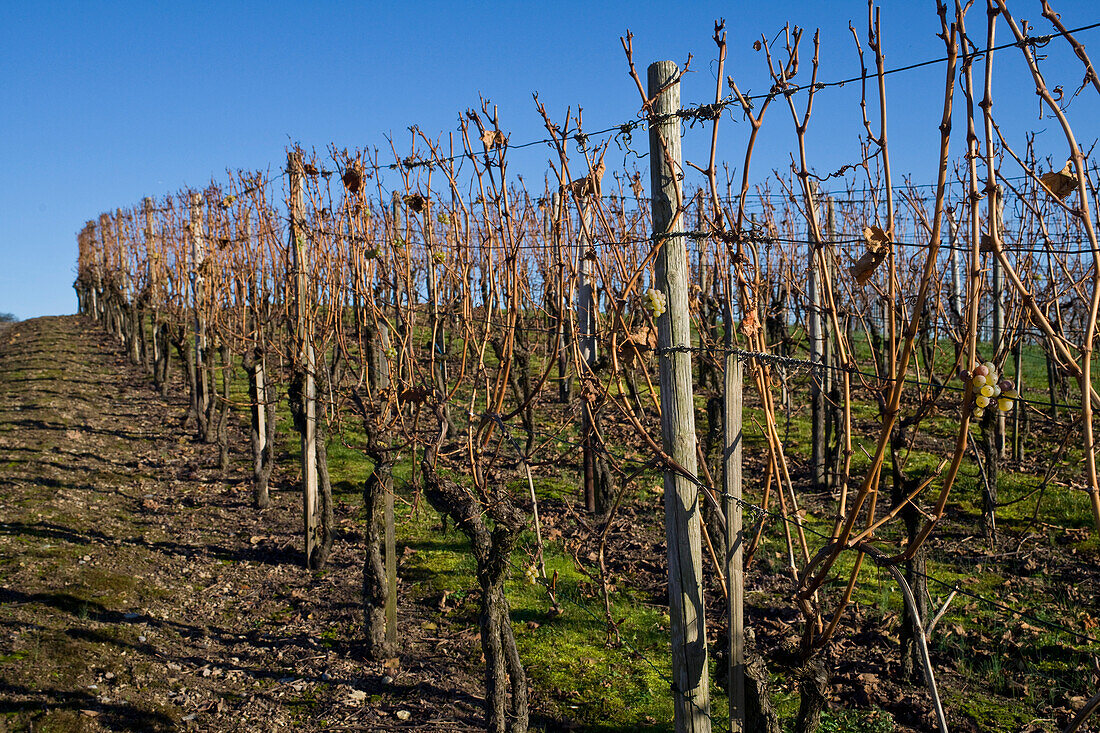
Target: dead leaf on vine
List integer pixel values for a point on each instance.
(589, 391)
(416, 202)
(493, 139)
(590, 184)
(353, 179)
(749, 325)
(1060, 183)
(878, 246)
(635, 346)
(415, 395)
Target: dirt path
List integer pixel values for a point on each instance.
(140, 592)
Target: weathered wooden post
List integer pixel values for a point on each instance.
(258, 371)
(1018, 429)
(436, 323)
(390, 540)
(404, 315)
(102, 273)
(565, 384)
(110, 321)
(957, 295)
(118, 278)
(998, 345)
(198, 294)
(833, 417)
(817, 352)
(255, 364)
(735, 568)
(691, 693)
(586, 342)
(152, 255)
(127, 298)
(304, 355)
(93, 266)
(405, 323)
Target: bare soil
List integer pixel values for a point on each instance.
(139, 591)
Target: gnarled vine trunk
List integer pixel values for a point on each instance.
(505, 679)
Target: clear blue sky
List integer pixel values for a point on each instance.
(104, 103)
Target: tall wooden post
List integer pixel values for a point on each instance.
(998, 306)
(735, 568)
(198, 285)
(404, 314)
(691, 693)
(998, 344)
(586, 325)
(998, 325)
(565, 387)
(389, 529)
(957, 295)
(105, 269)
(152, 255)
(259, 368)
(119, 277)
(436, 322)
(390, 540)
(817, 353)
(128, 304)
(93, 286)
(1018, 430)
(829, 356)
(114, 264)
(304, 354)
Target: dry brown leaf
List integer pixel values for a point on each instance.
(353, 179)
(1060, 183)
(493, 139)
(878, 246)
(415, 202)
(590, 184)
(749, 325)
(636, 345)
(415, 395)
